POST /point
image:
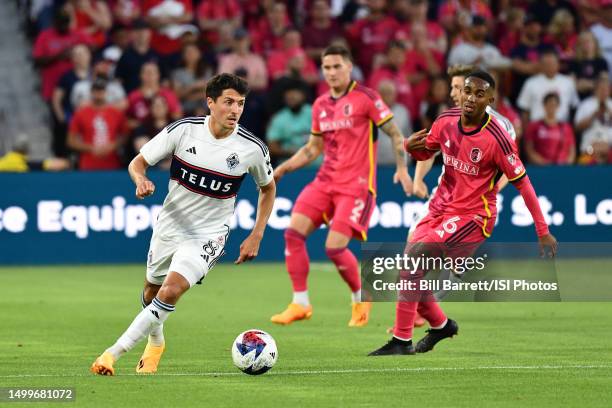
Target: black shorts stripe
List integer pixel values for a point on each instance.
(502, 134)
(254, 139)
(499, 136)
(191, 119)
(463, 232)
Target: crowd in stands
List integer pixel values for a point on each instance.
(116, 72)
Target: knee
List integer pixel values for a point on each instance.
(294, 237)
(169, 293)
(333, 252)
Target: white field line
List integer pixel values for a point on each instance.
(347, 371)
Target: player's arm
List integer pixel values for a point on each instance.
(421, 145)
(422, 168)
(250, 246)
(306, 155)
(138, 173)
(401, 170)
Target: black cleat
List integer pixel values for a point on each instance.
(433, 336)
(395, 347)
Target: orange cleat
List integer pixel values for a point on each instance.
(103, 364)
(150, 359)
(293, 313)
(360, 314)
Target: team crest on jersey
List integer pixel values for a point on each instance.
(476, 155)
(232, 161)
(511, 159)
(347, 109)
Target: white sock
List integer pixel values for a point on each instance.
(301, 298)
(440, 326)
(156, 337)
(153, 315)
(356, 296)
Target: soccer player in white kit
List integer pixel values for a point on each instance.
(210, 158)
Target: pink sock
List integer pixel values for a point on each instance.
(432, 312)
(405, 313)
(296, 259)
(347, 265)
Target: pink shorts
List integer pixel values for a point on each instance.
(448, 228)
(348, 214)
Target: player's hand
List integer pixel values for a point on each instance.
(401, 175)
(248, 249)
(416, 141)
(548, 246)
(144, 189)
(279, 172)
(420, 189)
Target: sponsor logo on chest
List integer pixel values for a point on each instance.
(204, 181)
(331, 125)
(461, 166)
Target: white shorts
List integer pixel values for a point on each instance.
(190, 257)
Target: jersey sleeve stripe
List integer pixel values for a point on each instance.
(517, 178)
(260, 144)
(312, 132)
(191, 119)
(385, 120)
(501, 139)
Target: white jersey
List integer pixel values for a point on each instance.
(502, 121)
(205, 176)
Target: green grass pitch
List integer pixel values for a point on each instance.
(56, 320)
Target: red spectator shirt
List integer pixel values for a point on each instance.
(84, 22)
(139, 106)
(347, 126)
(278, 61)
(369, 38)
(451, 8)
(99, 126)
(553, 143)
(474, 159)
(50, 43)
(416, 63)
(161, 43)
(405, 95)
(217, 10)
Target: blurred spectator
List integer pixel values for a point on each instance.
(211, 14)
(62, 94)
(422, 63)
(395, 70)
(436, 102)
(476, 51)
(587, 64)
(509, 33)
(115, 94)
(16, 160)
(125, 12)
(189, 80)
(526, 56)
(291, 60)
(159, 119)
(241, 58)
(369, 36)
(356, 73)
(267, 32)
(92, 17)
(531, 98)
(603, 32)
(594, 120)
(319, 30)
(454, 15)
(550, 141)
(139, 100)
(97, 131)
(170, 20)
(290, 127)
(401, 116)
(435, 37)
(120, 39)
(225, 39)
(131, 61)
(562, 34)
(544, 10)
(52, 50)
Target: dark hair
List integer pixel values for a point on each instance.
(549, 51)
(219, 83)
(337, 50)
(551, 95)
(395, 44)
(485, 76)
(459, 70)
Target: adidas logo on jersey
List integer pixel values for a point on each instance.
(191, 150)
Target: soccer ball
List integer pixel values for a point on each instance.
(254, 352)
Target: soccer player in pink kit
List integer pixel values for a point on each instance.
(476, 152)
(343, 193)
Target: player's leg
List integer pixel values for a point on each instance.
(351, 220)
(156, 343)
(307, 215)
